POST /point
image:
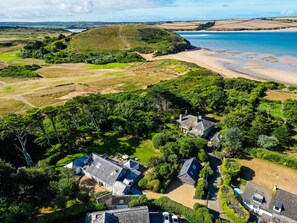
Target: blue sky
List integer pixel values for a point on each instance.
(142, 10)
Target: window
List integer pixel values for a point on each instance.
(194, 167)
(278, 207)
(191, 173)
(98, 165)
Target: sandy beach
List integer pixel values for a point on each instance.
(232, 65)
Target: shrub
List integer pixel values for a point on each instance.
(230, 169)
(137, 201)
(19, 71)
(201, 188)
(201, 215)
(75, 211)
(231, 206)
(275, 157)
(159, 140)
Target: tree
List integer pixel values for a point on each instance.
(282, 134)
(260, 126)
(38, 117)
(233, 141)
(51, 113)
(267, 142)
(159, 140)
(20, 127)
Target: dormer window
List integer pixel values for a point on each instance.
(258, 198)
(278, 207)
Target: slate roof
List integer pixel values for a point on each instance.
(131, 164)
(119, 187)
(80, 162)
(129, 215)
(190, 167)
(198, 127)
(104, 168)
(216, 138)
(289, 202)
(252, 189)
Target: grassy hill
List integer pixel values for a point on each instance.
(140, 38)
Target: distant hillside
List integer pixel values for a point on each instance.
(140, 38)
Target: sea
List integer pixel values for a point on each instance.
(271, 43)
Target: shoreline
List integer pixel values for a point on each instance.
(293, 29)
(230, 65)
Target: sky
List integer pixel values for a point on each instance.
(142, 10)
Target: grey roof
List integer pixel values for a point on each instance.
(252, 189)
(191, 167)
(119, 187)
(131, 164)
(198, 126)
(288, 201)
(216, 138)
(104, 168)
(129, 215)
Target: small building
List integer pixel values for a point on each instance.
(128, 215)
(190, 171)
(273, 205)
(215, 140)
(195, 125)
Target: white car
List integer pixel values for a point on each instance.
(174, 219)
(166, 217)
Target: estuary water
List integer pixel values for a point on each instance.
(273, 43)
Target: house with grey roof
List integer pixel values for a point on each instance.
(111, 174)
(189, 172)
(128, 215)
(273, 205)
(194, 125)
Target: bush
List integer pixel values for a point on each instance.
(76, 211)
(231, 206)
(19, 71)
(201, 188)
(275, 157)
(201, 215)
(159, 140)
(230, 170)
(135, 201)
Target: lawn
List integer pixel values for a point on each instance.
(9, 56)
(274, 108)
(112, 144)
(68, 159)
(145, 151)
(107, 66)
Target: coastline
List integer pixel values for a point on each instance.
(233, 65)
(293, 29)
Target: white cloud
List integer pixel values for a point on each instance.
(34, 9)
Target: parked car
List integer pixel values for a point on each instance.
(174, 219)
(166, 217)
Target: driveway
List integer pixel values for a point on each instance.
(213, 201)
(181, 193)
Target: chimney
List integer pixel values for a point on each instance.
(186, 112)
(274, 188)
(180, 117)
(199, 117)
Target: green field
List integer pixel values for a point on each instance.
(129, 37)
